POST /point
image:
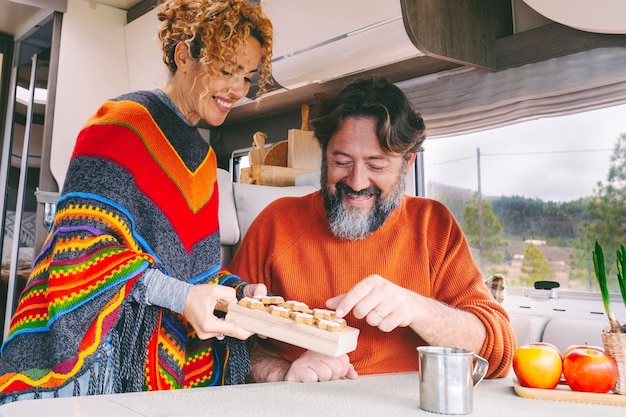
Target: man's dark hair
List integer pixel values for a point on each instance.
(400, 128)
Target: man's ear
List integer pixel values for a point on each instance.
(182, 58)
(411, 158)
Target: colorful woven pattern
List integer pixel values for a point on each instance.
(140, 193)
(107, 261)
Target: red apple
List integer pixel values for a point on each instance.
(538, 365)
(589, 370)
(572, 347)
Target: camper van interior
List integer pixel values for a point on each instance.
(524, 103)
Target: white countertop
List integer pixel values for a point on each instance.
(378, 395)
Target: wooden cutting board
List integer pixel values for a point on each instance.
(299, 334)
(271, 175)
(256, 156)
(303, 151)
(277, 154)
(563, 393)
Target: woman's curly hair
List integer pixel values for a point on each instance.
(214, 30)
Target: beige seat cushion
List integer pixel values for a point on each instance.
(564, 331)
(227, 213)
(528, 328)
(250, 199)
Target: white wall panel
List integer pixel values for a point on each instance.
(92, 68)
(146, 69)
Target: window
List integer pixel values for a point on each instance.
(536, 181)
(238, 161)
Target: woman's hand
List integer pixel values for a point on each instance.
(199, 308)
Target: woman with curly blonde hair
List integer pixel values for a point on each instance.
(122, 296)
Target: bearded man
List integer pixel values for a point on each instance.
(395, 266)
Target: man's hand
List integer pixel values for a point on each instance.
(382, 303)
(314, 367)
(387, 306)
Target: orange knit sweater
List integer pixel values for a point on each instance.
(420, 247)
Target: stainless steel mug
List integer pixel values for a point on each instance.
(447, 379)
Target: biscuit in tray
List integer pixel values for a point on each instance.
(297, 306)
(321, 313)
(297, 311)
(342, 322)
(252, 303)
(270, 299)
(299, 328)
(279, 311)
(329, 325)
(301, 317)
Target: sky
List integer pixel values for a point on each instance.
(553, 159)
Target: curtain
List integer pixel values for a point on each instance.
(467, 100)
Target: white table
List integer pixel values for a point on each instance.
(379, 395)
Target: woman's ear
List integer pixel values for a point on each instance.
(182, 58)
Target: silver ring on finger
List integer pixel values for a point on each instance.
(378, 313)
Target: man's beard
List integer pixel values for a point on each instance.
(352, 223)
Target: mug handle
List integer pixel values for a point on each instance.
(480, 369)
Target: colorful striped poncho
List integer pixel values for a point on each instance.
(140, 193)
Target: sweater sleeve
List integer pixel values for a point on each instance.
(458, 282)
(164, 291)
